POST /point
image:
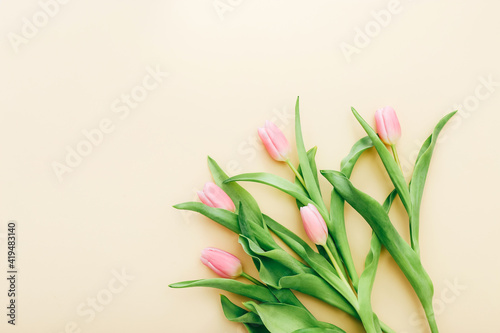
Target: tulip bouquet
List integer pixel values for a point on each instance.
(327, 272)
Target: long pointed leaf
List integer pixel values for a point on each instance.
(275, 181)
(255, 292)
(347, 164)
(418, 179)
(317, 287)
(230, 220)
(403, 254)
(311, 155)
(307, 172)
(368, 276)
(336, 223)
(223, 217)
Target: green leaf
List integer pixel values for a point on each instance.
(275, 181)
(230, 220)
(236, 192)
(317, 287)
(311, 157)
(286, 296)
(418, 179)
(223, 217)
(255, 292)
(315, 260)
(251, 328)
(390, 164)
(377, 218)
(307, 172)
(368, 276)
(274, 264)
(347, 164)
(319, 330)
(245, 226)
(236, 314)
(284, 318)
(336, 223)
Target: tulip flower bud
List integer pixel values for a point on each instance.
(213, 196)
(388, 127)
(275, 141)
(314, 224)
(221, 262)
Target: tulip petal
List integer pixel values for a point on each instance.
(213, 196)
(279, 139)
(237, 193)
(380, 124)
(314, 224)
(205, 199)
(388, 127)
(392, 125)
(390, 164)
(269, 145)
(221, 262)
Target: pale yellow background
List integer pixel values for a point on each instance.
(226, 77)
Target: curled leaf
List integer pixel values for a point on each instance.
(236, 314)
(284, 318)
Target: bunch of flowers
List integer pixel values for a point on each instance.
(327, 272)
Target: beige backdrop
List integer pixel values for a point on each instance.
(109, 109)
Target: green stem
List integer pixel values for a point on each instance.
(296, 172)
(336, 265)
(431, 319)
(252, 279)
(396, 157)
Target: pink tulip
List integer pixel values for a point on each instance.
(213, 196)
(221, 262)
(275, 141)
(388, 127)
(314, 224)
